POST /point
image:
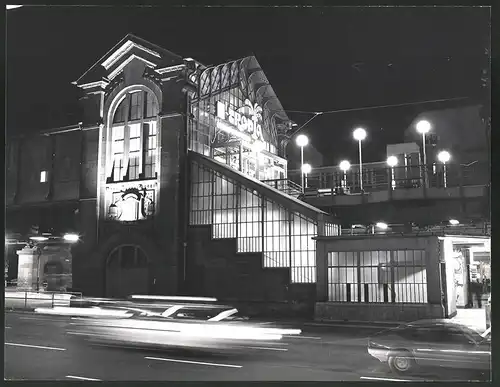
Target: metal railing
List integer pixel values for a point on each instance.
(27, 299)
(328, 181)
(284, 185)
(473, 230)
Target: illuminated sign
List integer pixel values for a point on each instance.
(246, 119)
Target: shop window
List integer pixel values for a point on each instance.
(134, 137)
(43, 176)
(377, 276)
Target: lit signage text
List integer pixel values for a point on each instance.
(246, 119)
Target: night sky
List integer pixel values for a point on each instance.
(316, 59)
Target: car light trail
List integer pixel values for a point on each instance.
(386, 379)
(83, 378)
(194, 362)
(35, 346)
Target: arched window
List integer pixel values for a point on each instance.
(127, 257)
(134, 136)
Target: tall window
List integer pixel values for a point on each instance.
(149, 150)
(134, 137)
(377, 276)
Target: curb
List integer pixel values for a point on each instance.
(349, 324)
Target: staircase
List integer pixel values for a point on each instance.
(249, 240)
(215, 269)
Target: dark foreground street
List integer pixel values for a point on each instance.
(38, 348)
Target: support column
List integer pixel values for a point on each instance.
(27, 268)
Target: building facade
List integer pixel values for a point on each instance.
(175, 181)
(397, 277)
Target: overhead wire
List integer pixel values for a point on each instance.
(370, 108)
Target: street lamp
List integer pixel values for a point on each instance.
(302, 141)
(392, 161)
(423, 127)
(444, 157)
(359, 135)
(306, 169)
(344, 167)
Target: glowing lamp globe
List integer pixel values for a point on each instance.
(392, 161)
(444, 156)
(423, 126)
(344, 165)
(302, 140)
(359, 134)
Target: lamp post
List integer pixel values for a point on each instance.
(344, 167)
(306, 169)
(392, 161)
(359, 135)
(423, 127)
(444, 157)
(302, 141)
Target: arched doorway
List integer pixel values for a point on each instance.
(127, 272)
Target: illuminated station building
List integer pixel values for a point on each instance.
(176, 184)
(175, 181)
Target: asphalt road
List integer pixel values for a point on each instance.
(37, 347)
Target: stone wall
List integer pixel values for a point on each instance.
(332, 311)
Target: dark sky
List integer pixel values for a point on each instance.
(317, 59)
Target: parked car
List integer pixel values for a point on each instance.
(424, 343)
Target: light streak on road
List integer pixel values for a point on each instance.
(35, 346)
(83, 378)
(194, 362)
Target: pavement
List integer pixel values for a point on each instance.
(37, 347)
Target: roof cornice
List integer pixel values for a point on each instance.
(123, 50)
(91, 85)
(170, 69)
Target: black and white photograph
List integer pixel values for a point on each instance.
(247, 193)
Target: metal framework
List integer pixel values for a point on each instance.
(243, 79)
(396, 276)
(258, 223)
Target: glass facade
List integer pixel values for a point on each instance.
(258, 223)
(134, 137)
(226, 139)
(232, 121)
(377, 276)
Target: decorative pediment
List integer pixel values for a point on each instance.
(128, 49)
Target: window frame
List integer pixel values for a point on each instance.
(146, 99)
(377, 290)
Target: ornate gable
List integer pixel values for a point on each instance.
(111, 66)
